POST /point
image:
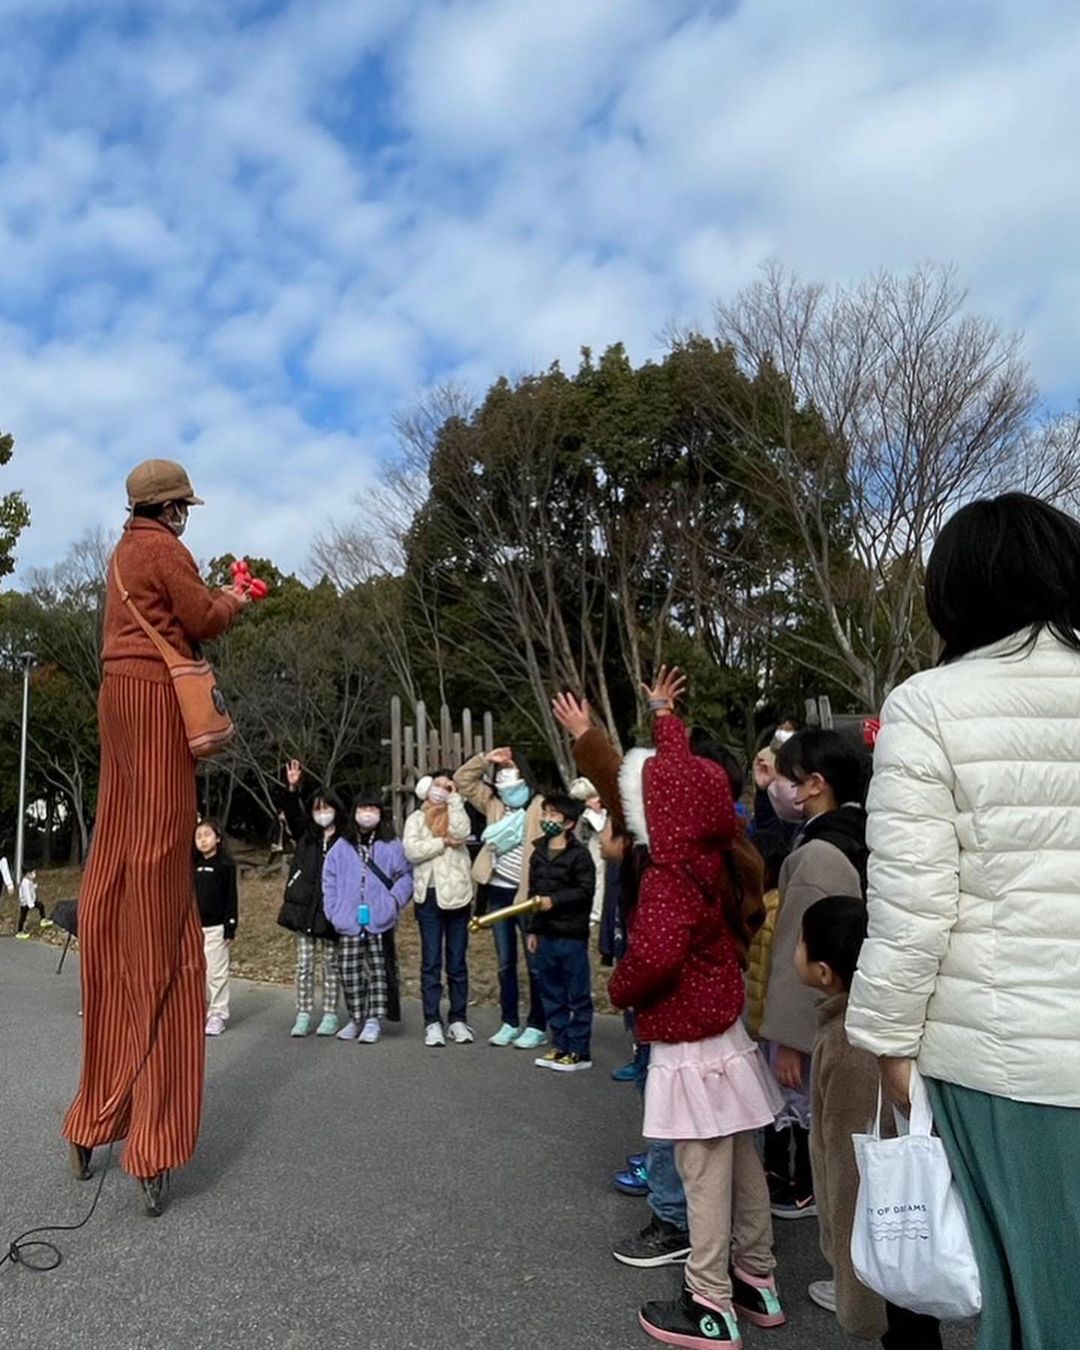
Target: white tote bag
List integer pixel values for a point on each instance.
(910, 1242)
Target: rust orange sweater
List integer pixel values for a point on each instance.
(164, 583)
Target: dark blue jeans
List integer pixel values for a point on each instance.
(666, 1197)
(564, 974)
(441, 928)
(506, 948)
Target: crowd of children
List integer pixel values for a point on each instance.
(736, 943)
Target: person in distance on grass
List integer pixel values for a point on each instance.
(562, 875)
(28, 900)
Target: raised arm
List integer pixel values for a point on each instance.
(469, 781)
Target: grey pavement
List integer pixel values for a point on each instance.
(386, 1197)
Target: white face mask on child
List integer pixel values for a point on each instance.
(324, 819)
(367, 820)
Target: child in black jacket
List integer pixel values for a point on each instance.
(315, 828)
(215, 889)
(562, 876)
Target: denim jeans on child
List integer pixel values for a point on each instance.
(506, 948)
(441, 928)
(564, 975)
(666, 1198)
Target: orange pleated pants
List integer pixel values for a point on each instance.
(140, 939)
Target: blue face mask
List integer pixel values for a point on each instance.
(516, 795)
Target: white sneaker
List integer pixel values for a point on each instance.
(461, 1033)
(349, 1031)
(433, 1034)
(371, 1032)
(823, 1293)
(215, 1025)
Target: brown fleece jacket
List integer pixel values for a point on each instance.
(164, 583)
(845, 1099)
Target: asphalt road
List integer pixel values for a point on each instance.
(389, 1197)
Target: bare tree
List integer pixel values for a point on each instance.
(876, 412)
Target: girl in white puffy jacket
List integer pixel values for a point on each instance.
(972, 963)
(435, 841)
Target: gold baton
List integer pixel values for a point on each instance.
(498, 915)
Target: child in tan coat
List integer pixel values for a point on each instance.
(845, 1086)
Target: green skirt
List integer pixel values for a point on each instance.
(1017, 1166)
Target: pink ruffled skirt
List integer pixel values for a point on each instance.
(709, 1089)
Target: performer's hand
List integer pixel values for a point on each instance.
(294, 772)
(789, 1067)
(667, 688)
(238, 594)
(532, 944)
(573, 714)
(546, 903)
(503, 756)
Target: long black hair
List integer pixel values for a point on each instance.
(830, 755)
(1002, 567)
(329, 798)
(384, 832)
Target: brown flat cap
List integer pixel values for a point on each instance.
(160, 480)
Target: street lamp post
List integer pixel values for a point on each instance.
(27, 659)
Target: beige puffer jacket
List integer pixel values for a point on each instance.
(972, 963)
(437, 864)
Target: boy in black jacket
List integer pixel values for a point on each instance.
(563, 877)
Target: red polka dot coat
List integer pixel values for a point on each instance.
(682, 973)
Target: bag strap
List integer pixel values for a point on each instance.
(920, 1120)
(169, 654)
(370, 862)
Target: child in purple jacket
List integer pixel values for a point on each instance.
(367, 882)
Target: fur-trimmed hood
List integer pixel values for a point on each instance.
(632, 792)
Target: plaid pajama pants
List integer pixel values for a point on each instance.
(363, 975)
(306, 948)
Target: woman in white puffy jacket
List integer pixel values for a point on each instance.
(972, 965)
(435, 843)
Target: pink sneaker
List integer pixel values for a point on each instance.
(755, 1298)
(215, 1025)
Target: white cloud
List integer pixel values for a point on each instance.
(247, 241)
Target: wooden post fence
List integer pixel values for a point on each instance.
(423, 745)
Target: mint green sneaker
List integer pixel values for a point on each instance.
(506, 1035)
(329, 1025)
(302, 1025)
(530, 1039)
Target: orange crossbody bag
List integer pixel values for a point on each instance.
(207, 723)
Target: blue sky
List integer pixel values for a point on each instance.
(245, 235)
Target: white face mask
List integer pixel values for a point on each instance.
(438, 796)
(324, 819)
(367, 820)
(597, 819)
(178, 523)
